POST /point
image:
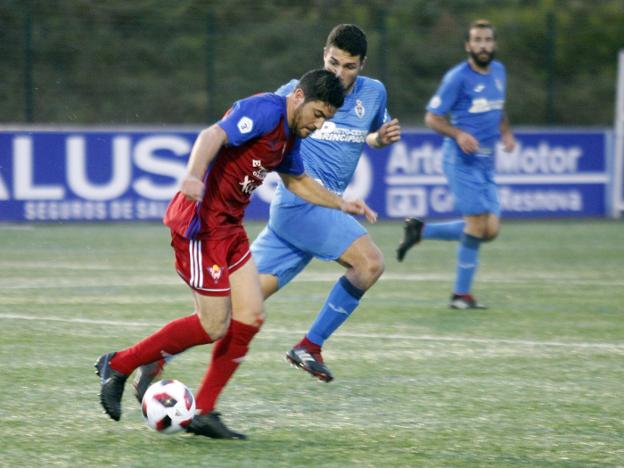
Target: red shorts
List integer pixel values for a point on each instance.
(206, 265)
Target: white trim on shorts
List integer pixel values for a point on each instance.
(244, 257)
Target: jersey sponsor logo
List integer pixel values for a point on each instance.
(359, 109)
(331, 132)
(480, 105)
(215, 272)
(249, 184)
(435, 102)
(245, 125)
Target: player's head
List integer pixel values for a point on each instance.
(316, 98)
(345, 53)
(481, 43)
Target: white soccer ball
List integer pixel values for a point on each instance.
(168, 406)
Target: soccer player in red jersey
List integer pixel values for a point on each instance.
(228, 161)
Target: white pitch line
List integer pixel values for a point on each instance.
(618, 347)
(164, 280)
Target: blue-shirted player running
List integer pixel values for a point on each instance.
(297, 232)
(473, 95)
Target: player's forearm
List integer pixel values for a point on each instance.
(441, 125)
(311, 191)
(206, 147)
(505, 126)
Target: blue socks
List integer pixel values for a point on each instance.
(449, 231)
(467, 261)
(342, 300)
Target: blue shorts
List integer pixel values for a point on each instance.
(471, 180)
(297, 234)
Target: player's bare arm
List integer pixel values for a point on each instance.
(206, 147)
(388, 133)
(310, 190)
(507, 136)
(440, 124)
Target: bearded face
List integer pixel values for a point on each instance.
(481, 46)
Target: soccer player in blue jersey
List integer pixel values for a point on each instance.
(297, 232)
(468, 109)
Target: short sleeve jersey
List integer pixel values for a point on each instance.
(331, 154)
(259, 141)
(474, 101)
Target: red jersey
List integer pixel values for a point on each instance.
(259, 141)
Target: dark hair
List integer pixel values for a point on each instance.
(350, 38)
(480, 24)
(322, 85)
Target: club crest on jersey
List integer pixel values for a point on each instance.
(215, 272)
(359, 109)
(499, 84)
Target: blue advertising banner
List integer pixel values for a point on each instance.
(117, 175)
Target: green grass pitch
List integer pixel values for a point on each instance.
(536, 380)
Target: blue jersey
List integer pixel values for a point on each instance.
(331, 153)
(474, 101)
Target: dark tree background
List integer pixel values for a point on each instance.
(183, 62)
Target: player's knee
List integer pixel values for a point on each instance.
(250, 315)
(490, 234)
(371, 269)
(214, 324)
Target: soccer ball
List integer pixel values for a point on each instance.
(168, 406)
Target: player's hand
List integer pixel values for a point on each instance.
(359, 207)
(390, 132)
(192, 188)
(509, 141)
(467, 142)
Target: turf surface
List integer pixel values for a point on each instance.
(536, 380)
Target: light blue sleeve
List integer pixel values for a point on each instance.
(447, 94)
(287, 88)
(382, 116)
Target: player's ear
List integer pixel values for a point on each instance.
(298, 96)
(364, 60)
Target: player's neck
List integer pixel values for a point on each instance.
(483, 70)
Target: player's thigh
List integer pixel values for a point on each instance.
(247, 299)
(214, 313)
(277, 258)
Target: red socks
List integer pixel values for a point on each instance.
(175, 337)
(308, 345)
(227, 355)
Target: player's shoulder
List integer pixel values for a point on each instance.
(458, 71)
(287, 88)
(265, 104)
(497, 66)
(368, 84)
(263, 100)
(262, 111)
